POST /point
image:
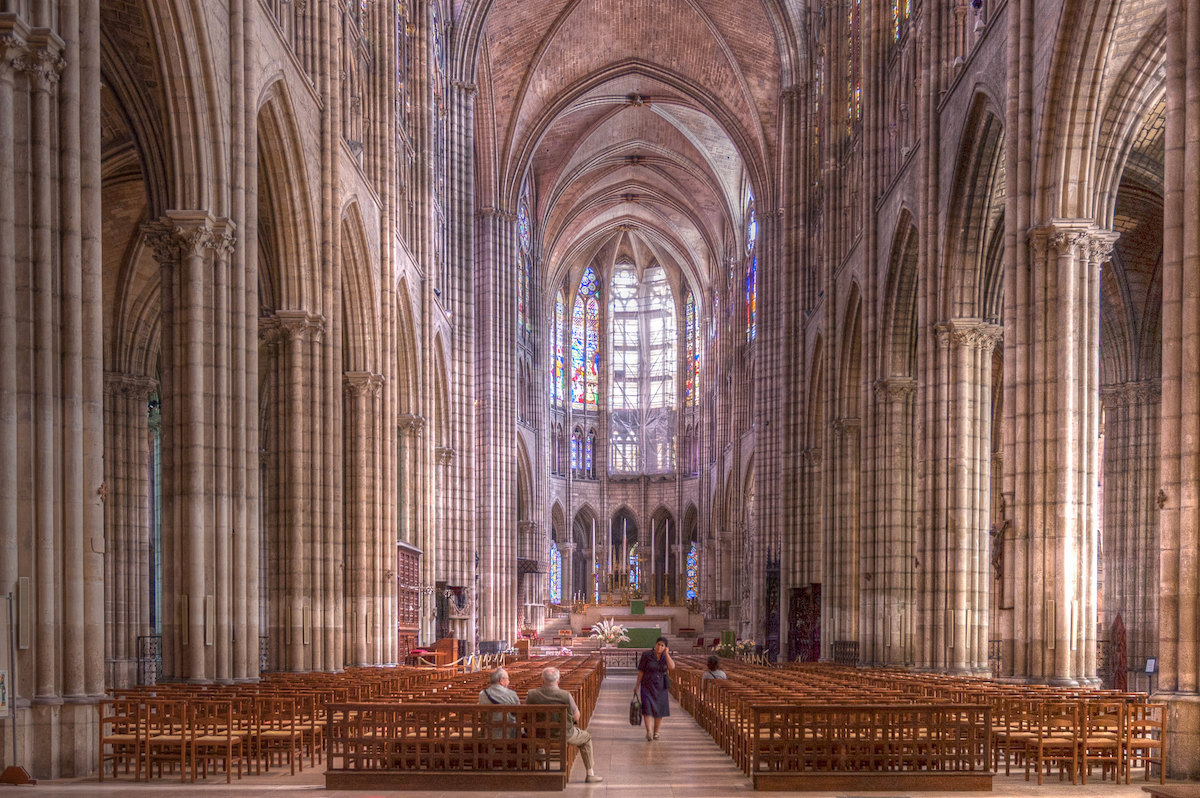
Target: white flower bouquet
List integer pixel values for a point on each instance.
(610, 632)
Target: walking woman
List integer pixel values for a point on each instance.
(652, 684)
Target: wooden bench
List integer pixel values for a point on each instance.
(441, 747)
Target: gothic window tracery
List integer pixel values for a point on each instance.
(643, 388)
(525, 266)
(555, 574)
(585, 343)
(558, 354)
(751, 272)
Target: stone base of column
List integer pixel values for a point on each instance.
(1183, 734)
(67, 735)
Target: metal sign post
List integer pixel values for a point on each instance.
(14, 773)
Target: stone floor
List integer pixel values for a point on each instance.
(684, 763)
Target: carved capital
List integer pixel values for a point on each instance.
(129, 386)
(1064, 237)
(466, 88)
(1131, 394)
(444, 455)
(411, 424)
(297, 325)
(1100, 246)
(846, 426)
(567, 548)
(362, 383)
(181, 234)
(895, 389)
(968, 333)
(14, 34)
(42, 58)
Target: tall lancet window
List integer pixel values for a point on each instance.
(585, 343)
(692, 571)
(662, 350)
(901, 9)
(439, 110)
(555, 574)
(525, 267)
(643, 387)
(691, 377)
(558, 353)
(853, 65)
(751, 272)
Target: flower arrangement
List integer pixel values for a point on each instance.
(610, 632)
(745, 646)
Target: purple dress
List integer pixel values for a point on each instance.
(655, 699)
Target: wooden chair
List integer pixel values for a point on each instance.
(215, 737)
(1017, 717)
(1056, 741)
(1146, 739)
(121, 735)
(1103, 738)
(276, 732)
(165, 737)
(698, 645)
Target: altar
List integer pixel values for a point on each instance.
(642, 623)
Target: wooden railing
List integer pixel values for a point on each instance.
(447, 746)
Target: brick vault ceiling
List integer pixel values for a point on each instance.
(642, 117)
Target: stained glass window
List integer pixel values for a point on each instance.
(556, 370)
(751, 272)
(691, 377)
(555, 574)
(635, 574)
(402, 96)
(525, 263)
(362, 17)
(853, 64)
(585, 342)
(643, 389)
(901, 9)
(589, 465)
(440, 149)
(692, 571)
(576, 453)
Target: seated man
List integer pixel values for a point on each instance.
(551, 693)
(498, 692)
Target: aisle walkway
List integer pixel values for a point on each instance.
(684, 763)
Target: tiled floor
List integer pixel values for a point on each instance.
(683, 763)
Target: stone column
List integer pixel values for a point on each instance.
(13, 32)
(840, 605)
(1056, 395)
(567, 550)
(889, 586)
(968, 345)
(1131, 518)
(43, 62)
(415, 526)
(364, 559)
(128, 524)
(1178, 499)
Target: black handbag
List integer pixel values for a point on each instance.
(635, 712)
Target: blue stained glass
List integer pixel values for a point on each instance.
(635, 574)
(752, 298)
(751, 229)
(585, 342)
(575, 451)
(587, 453)
(691, 573)
(555, 574)
(556, 376)
(523, 225)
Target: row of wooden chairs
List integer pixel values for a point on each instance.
(1035, 726)
(280, 720)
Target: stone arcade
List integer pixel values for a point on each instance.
(329, 329)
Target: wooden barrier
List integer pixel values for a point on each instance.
(870, 746)
(447, 747)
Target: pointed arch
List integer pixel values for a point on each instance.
(286, 223)
(360, 304)
(900, 302)
(975, 223)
